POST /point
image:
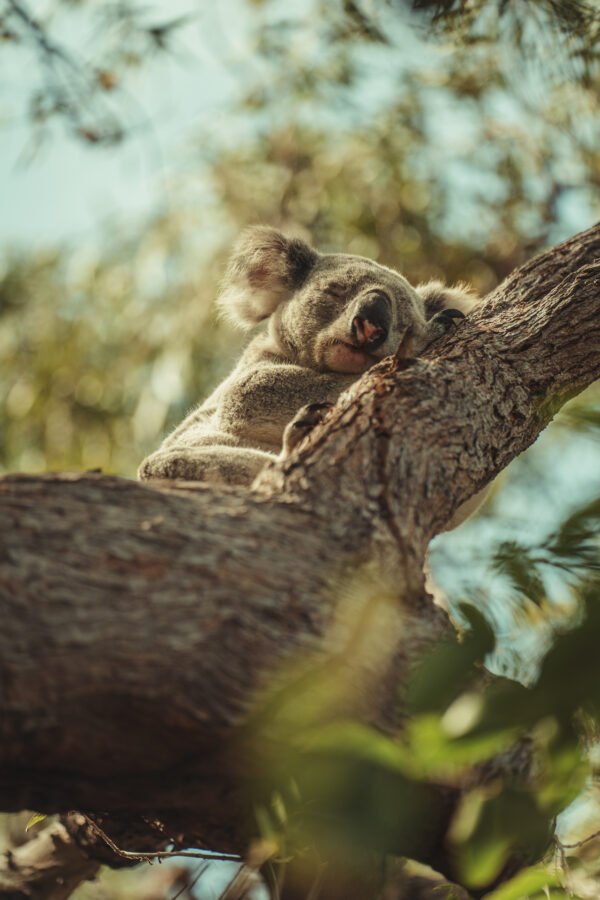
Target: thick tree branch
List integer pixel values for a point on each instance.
(140, 620)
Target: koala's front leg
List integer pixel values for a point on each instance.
(262, 402)
(216, 464)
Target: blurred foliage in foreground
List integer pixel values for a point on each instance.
(484, 765)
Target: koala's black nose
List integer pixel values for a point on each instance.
(371, 322)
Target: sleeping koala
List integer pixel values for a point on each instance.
(330, 317)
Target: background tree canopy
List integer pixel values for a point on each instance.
(448, 140)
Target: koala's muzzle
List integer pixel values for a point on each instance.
(371, 321)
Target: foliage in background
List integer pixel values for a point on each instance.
(99, 350)
(565, 31)
(84, 83)
(83, 91)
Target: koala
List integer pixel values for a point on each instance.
(329, 317)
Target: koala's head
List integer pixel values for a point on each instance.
(331, 312)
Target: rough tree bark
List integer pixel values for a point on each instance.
(139, 620)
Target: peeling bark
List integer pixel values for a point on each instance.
(48, 867)
(140, 620)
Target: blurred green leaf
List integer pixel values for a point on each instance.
(358, 794)
(35, 820)
(579, 536)
(515, 561)
(435, 750)
(528, 883)
(443, 674)
(487, 831)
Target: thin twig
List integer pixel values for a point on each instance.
(259, 853)
(273, 882)
(38, 34)
(239, 884)
(187, 886)
(577, 844)
(317, 884)
(160, 854)
(72, 94)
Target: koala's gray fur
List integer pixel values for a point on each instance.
(329, 318)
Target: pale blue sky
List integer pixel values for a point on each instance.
(68, 189)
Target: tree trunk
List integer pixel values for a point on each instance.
(141, 620)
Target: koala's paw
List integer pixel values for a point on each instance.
(447, 317)
(439, 325)
(303, 422)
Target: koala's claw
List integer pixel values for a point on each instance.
(438, 326)
(303, 423)
(447, 316)
(315, 409)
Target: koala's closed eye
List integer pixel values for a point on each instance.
(336, 290)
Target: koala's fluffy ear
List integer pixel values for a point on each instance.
(265, 269)
(437, 296)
